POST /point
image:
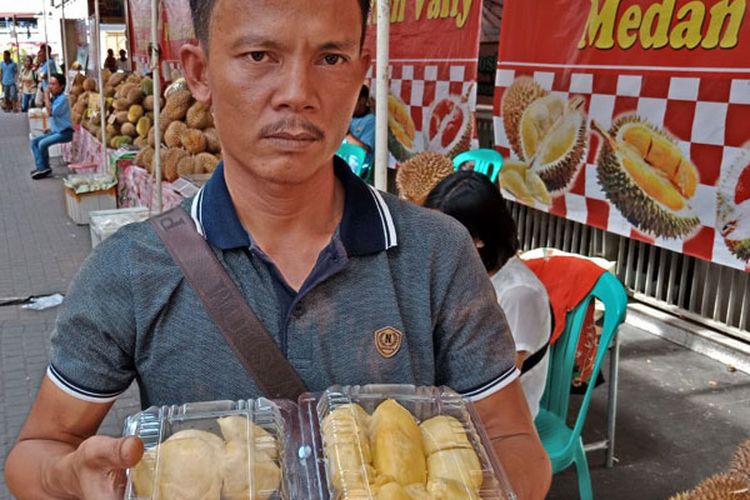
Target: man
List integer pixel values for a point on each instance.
(362, 127)
(110, 62)
(9, 71)
(61, 126)
(45, 66)
(122, 62)
(323, 260)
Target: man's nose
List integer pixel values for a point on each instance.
(296, 89)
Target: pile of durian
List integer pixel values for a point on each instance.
(194, 464)
(389, 456)
(189, 143)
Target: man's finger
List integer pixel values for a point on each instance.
(109, 453)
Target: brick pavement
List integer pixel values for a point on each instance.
(40, 252)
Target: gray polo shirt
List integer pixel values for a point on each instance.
(398, 296)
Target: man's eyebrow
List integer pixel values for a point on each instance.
(256, 40)
(343, 46)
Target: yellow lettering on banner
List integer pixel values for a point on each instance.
(433, 9)
(631, 20)
(688, 32)
(461, 18)
(662, 14)
(735, 9)
(420, 7)
(398, 11)
(445, 9)
(600, 25)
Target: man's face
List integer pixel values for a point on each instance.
(284, 76)
(54, 86)
(6, 57)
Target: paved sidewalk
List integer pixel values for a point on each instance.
(40, 252)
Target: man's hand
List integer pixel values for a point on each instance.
(96, 470)
(58, 456)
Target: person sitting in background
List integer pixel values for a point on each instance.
(62, 127)
(9, 70)
(110, 62)
(28, 84)
(122, 62)
(476, 203)
(362, 127)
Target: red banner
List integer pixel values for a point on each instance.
(178, 22)
(139, 12)
(434, 47)
(631, 116)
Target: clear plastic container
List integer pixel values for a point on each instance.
(236, 460)
(333, 453)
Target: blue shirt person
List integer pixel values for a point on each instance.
(362, 126)
(47, 66)
(9, 70)
(61, 126)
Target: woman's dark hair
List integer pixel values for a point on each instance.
(473, 200)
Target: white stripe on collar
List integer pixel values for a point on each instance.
(196, 212)
(389, 228)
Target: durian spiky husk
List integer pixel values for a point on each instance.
(205, 163)
(177, 105)
(186, 166)
(173, 134)
(116, 79)
(152, 137)
(212, 140)
(128, 129)
(89, 84)
(199, 116)
(417, 176)
(135, 96)
(522, 92)
(717, 487)
(740, 465)
(193, 141)
(636, 206)
(171, 160)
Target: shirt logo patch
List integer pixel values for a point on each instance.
(388, 341)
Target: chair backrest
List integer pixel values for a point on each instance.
(484, 161)
(556, 397)
(354, 155)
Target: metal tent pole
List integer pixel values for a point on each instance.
(156, 76)
(381, 95)
(64, 38)
(100, 83)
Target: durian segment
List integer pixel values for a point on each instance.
(346, 444)
(396, 443)
(401, 129)
(515, 183)
(392, 491)
(643, 194)
(446, 489)
(443, 433)
(457, 464)
(189, 468)
(142, 475)
(660, 152)
(516, 99)
(554, 135)
(538, 188)
(240, 429)
(243, 474)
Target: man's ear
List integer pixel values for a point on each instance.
(195, 64)
(365, 60)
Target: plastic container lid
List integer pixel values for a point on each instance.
(348, 453)
(216, 450)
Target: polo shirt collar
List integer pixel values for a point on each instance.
(366, 226)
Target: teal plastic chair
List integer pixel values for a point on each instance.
(563, 444)
(485, 160)
(354, 155)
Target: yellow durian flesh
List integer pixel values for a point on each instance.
(239, 428)
(142, 475)
(257, 476)
(654, 182)
(537, 120)
(443, 433)
(347, 447)
(188, 469)
(457, 464)
(446, 489)
(396, 444)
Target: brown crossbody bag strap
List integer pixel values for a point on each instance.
(226, 306)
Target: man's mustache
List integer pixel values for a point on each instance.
(292, 125)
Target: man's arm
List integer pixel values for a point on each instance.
(353, 140)
(506, 418)
(56, 457)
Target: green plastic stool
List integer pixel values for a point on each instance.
(563, 444)
(353, 155)
(484, 160)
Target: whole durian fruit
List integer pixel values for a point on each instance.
(417, 176)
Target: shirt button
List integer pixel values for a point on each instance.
(298, 310)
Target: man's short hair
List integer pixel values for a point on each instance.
(60, 78)
(6, 53)
(473, 200)
(201, 11)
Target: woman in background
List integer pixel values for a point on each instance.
(28, 84)
(475, 202)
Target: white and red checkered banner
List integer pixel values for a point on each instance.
(632, 116)
(434, 49)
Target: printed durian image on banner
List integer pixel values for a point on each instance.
(434, 51)
(631, 116)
